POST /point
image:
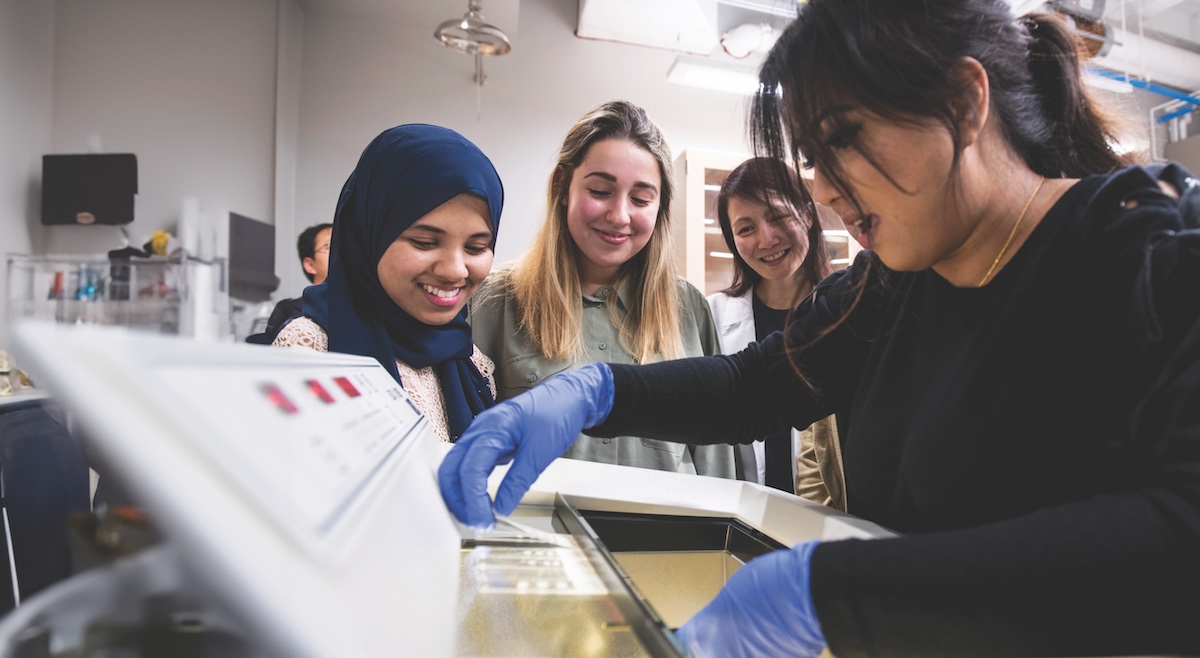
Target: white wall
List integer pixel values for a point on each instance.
(360, 78)
(287, 128)
(255, 108)
(1185, 152)
(189, 87)
(26, 58)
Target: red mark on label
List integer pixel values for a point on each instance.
(278, 400)
(346, 387)
(319, 391)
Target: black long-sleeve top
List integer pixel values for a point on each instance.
(1036, 441)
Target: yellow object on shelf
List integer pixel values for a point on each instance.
(158, 243)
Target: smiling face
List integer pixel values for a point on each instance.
(907, 216)
(435, 265)
(770, 238)
(612, 207)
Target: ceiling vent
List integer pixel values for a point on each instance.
(688, 26)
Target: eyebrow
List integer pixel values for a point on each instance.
(772, 213)
(612, 179)
(433, 230)
(831, 112)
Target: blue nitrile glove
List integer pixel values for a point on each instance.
(764, 610)
(531, 430)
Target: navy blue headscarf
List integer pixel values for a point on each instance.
(402, 175)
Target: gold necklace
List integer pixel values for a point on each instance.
(1012, 233)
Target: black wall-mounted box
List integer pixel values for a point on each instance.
(93, 188)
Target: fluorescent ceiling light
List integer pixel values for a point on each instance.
(781, 8)
(1022, 7)
(1099, 81)
(707, 74)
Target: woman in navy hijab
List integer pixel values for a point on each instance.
(413, 238)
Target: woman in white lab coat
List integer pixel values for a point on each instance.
(779, 255)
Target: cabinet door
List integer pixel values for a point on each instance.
(701, 254)
(841, 246)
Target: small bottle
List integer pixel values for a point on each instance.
(81, 290)
(57, 294)
(56, 288)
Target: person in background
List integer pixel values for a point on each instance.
(1015, 359)
(599, 284)
(413, 238)
(779, 255)
(313, 249)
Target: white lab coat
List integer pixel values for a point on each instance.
(734, 317)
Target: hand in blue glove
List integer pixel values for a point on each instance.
(531, 430)
(764, 610)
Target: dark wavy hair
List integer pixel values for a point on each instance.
(899, 59)
(760, 180)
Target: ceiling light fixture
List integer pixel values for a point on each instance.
(473, 36)
(1116, 83)
(718, 76)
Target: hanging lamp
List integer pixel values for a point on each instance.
(473, 36)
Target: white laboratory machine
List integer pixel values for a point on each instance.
(297, 500)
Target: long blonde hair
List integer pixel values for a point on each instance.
(545, 281)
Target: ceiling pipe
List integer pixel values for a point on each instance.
(1149, 59)
(1191, 99)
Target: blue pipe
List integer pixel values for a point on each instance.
(1183, 111)
(1192, 101)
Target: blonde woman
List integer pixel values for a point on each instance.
(598, 284)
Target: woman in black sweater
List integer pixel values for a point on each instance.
(1016, 358)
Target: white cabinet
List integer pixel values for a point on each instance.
(701, 254)
(842, 247)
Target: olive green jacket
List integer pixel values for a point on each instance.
(495, 330)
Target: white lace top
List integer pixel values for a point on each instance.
(420, 384)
